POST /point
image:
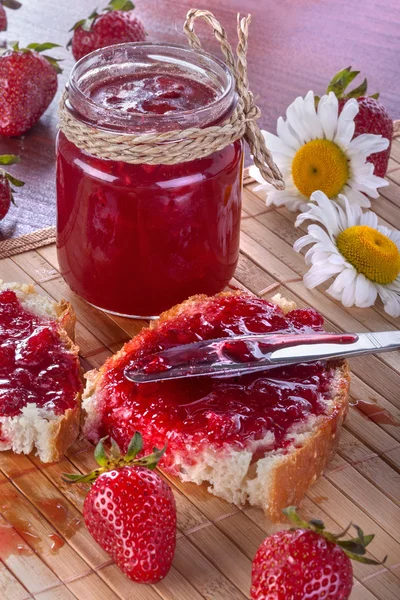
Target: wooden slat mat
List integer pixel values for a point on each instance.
(58, 560)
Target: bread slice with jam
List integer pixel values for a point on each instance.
(40, 377)
(261, 438)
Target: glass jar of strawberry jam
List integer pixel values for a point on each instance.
(135, 239)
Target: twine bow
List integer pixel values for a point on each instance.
(192, 143)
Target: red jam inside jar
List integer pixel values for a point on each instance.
(35, 366)
(135, 239)
(196, 413)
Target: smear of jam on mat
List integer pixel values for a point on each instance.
(35, 366)
(376, 413)
(202, 411)
(60, 516)
(18, 535)
(56, 543)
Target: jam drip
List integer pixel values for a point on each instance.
(202, 412)
(35, 366)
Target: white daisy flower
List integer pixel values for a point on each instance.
(315, 150)
(351, 246)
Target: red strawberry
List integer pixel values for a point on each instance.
(6, 181)
(372, 116)
(115, 25)
(307, 563)
(3, 18)
(3, 15)
(29, 85)
(130, 511)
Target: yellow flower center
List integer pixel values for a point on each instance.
(370, 252)
(320, 165)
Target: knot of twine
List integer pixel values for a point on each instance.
(191, 143)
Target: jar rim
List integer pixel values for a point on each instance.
(90, 111)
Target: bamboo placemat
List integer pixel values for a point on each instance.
(58, 560)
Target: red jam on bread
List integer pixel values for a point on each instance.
(204, 412)
(35, 365)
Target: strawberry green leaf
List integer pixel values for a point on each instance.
(42, 47)
(135, 446)
(78, 24)
(376, 96)
(9, 159)
(100, 454)
(368, 539)
(341, 81)
(317, 524)
(291, 513)
(364, 559)
(354, 546)
(14, 180)
(359, 91)
(54, 63)
(71, 477)
(151, 460)
(84, 24)
(13, 4)
(116, 461)
(115, 451)
(124, 5)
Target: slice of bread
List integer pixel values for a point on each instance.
(267, 478)
(40, 428)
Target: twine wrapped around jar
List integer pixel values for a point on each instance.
(191, 143)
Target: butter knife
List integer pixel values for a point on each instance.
(242, 354)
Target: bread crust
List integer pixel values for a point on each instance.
(64, 429)
(297, 472)
(292, 474)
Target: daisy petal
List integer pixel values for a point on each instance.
(286, 135)
(277, 146)
(346, 125)
(328, 114)
(391, 301)
(349, 294)
(345, 278)
(319, 274)
(367, 144)
(369, 218)
(365, 292)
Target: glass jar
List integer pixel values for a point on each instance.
(135, 239)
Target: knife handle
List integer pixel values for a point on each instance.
(367, 343)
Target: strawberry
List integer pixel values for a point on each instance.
(372, 116)
(130, 511)
(3, 15)
(29, 85)
(307, 562)
(6, 181)
(114, 25)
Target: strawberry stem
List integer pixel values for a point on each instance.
(114, 460)
(354, 548)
